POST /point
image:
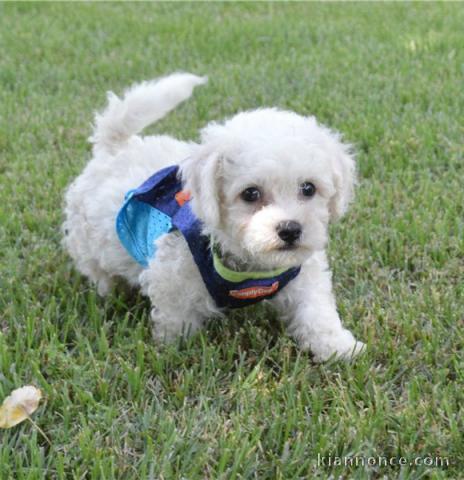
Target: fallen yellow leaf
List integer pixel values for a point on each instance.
(19, 405)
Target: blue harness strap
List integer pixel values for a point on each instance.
(157, 207)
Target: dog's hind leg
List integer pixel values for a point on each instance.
(104, 283)
(92, 270)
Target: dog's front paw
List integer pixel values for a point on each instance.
(162, 336)
(341, 346)
(167, 329)
(162, 331)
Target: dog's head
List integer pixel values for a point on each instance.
(266, 183)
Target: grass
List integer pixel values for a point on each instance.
(239, 401)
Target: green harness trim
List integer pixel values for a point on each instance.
(233, 276)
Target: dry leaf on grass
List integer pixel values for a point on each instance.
(19, 405)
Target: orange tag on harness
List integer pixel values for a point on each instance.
(254, 292)
(182, 197)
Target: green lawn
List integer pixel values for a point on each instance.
(239, 401)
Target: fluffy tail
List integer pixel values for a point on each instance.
(142, 105)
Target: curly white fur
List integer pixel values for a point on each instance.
(272, 150)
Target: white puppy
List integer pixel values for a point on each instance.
(263, 186)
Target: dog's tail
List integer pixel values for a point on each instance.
(141, 105)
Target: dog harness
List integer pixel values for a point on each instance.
(159, 206)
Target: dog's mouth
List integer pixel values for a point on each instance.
(288, 247)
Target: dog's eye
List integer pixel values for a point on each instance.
(308, 189)
(250, 194)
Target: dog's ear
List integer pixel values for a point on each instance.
(344, 178)
(201, 174)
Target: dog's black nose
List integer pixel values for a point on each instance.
(289, 231)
